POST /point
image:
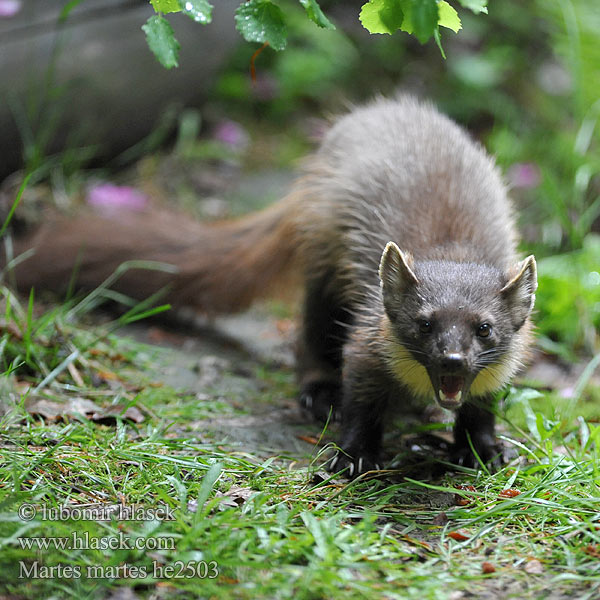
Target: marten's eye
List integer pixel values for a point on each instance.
(424, 326)
(484, 330)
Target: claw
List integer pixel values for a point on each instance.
(360, 465)
(334, 462)
(351, 470)
(307, 401)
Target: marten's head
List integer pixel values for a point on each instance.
(455, 328)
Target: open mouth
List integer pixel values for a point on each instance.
(450, 391)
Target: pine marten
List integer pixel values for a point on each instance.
(405, 240)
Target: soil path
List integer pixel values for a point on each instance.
(223, 359)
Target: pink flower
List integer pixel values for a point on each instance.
(524, 175)
(9, 8)
(115, 198)
(232, 134)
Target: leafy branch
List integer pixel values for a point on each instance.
(264, 22)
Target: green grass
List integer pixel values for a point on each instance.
(276, 527)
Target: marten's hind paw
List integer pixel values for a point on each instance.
(352, 467)
(321, 400)
(488, 452)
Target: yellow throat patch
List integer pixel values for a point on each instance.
(493, 378)
(408, 371)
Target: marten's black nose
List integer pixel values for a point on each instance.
(453, 362)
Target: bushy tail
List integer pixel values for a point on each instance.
(217, 268)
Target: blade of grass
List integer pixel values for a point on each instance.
(27, 332)
(56, 371)
(18, 197)
(89, 301)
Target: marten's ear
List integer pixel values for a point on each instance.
(396, 274)
(519, 292)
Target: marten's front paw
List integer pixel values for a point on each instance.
(352, 467)
(487, 449)
(321, 399)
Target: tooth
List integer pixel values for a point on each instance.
(456, 398)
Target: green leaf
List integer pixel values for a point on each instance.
(197, 10)
(382, 16)
(208, 482)
(448, 17)
(477, 6)
(522, 395)
(412, 16)
(261, 21)
(315, 14)
(166, 6)
(161, 40)
(424, 18)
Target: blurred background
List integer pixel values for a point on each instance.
(85, 105)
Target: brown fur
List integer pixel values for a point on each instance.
(219, 268)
